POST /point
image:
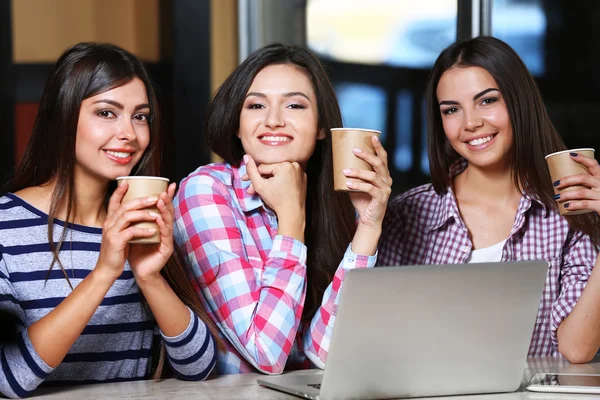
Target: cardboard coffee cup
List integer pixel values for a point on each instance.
(144, 186)
(561, 165)
(343, 141)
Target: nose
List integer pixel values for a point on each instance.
(274, 118)
(473, 121)
(126, 131)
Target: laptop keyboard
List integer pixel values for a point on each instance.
(315, 385)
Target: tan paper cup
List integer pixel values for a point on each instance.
(144, 186)
(343, 141)
(561, 165)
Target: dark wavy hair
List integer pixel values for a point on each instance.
(534, 135)
(330, 216)
(83, 71)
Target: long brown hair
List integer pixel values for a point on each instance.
(534, 135)
(330, 216)
(83, 71)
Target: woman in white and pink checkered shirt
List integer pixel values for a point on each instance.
(491, 196)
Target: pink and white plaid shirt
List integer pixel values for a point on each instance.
(251, 280)
(422, 227)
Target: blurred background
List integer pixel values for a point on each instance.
(378, 54)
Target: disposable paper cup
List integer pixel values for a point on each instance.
(561, 165)
(343, 141)
(144, 186)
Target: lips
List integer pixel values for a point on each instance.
(275, 139)
(481, 141)
(120, 157)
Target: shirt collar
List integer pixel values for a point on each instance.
(247, 202)
(447, 207)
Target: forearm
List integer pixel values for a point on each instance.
(172, 316)
(53, 335)
(317, 335)
(579, 334)
(365, 240)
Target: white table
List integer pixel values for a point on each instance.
(245, 387)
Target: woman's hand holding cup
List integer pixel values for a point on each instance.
(118, 230)
(370, 195)
(580, 192)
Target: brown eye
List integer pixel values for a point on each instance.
(106, 114)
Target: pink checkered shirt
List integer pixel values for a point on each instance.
(422, 227)
(252, 280)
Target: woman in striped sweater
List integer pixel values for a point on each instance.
(84, 305)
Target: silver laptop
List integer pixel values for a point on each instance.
(427, 331)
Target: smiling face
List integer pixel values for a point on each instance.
(475, 117)
(112, 132)
(279, 119)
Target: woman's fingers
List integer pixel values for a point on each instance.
(583, 205)
(378, 163)
(117, 198)
(131, 217)
(367, 176)
(380, 150)
(589, 162)
(374, 192)
(578, 180)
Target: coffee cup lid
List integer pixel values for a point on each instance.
(143, 177)
(570, 151)
(355, 129)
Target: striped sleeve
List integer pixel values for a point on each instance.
(193, 353)
(21, 368)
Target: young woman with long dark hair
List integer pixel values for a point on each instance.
(491, 197)
(264, 231)
(87, 306)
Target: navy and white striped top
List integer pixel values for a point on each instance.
(115, 345)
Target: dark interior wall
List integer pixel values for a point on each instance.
(7, 94)
(181, 77)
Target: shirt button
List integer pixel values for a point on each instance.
(465, 249)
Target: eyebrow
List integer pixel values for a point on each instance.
(478, 95)
(121, 106)
(286, 94)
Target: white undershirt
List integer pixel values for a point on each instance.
(487, 254)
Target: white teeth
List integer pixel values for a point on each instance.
(480, 141)
(276, 138)
(118, 154)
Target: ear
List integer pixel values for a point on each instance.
(321, 134)
(238, 134)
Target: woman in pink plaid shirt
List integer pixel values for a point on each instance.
(491, 197)
(267, 238)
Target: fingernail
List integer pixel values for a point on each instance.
(357, 150)
(246, 158)
(347, 171)
(151, 230)
(376, 138)
(566, 205)
(151, 199)
(573, 154)
(348, 183)
(556, 196)
(153, 214)
(556, 183)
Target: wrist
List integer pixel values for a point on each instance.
(103, 276)
(365, 240)
(374, 229)
(149, 282)
(292, 224)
